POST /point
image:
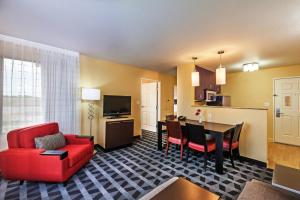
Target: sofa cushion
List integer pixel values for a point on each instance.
(77, 152)
(25, 136)
(50, 142)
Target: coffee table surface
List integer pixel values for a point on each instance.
(182, 189)
(286, 178)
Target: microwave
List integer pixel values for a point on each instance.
(210, 95)
(220, 100)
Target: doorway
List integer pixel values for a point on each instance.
(287, 110)
(150, 104)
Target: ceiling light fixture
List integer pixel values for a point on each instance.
(195, 75)
(221, 71)
(250, 67)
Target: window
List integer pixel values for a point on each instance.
(21, 94)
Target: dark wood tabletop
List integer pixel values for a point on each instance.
(209, 126)
(182, 189)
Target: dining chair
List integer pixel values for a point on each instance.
(170, 117)
(197, 141)
(175, 135)
(231, 142)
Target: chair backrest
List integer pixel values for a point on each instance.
(24, 137)
(196, 134)
(174, 129)
(237, 132)
(170, 117)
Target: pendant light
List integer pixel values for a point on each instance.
(221, 71)
(195, 75)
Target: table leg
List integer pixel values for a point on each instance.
(219, 153)
(159, 136)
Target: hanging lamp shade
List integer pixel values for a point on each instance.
(221, 72)
(221, 76)
(195, 79)
(195, 75)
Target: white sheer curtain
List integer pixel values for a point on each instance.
(60, 90)
(38, 83)
(20, 86)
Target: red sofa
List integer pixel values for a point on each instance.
(22, 161)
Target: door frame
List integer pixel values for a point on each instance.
(158, 98)
(274, 109)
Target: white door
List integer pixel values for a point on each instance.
(149, 106)
(287, 110)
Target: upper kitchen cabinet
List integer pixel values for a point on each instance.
(207, 81)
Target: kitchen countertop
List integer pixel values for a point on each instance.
(231, 107)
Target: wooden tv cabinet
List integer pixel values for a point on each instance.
(115, 133)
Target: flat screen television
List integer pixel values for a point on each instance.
(116, 105)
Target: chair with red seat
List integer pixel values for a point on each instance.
(231, 142)
(175, 136)
(197, 141)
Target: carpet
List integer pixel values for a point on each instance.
(131, 172)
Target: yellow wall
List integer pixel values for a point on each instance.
(119, 79)
(185, 90)
(253, 90)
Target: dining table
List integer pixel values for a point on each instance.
(217, 130)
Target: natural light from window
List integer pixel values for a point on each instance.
(21, 94)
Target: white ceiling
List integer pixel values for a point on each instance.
(160, 34)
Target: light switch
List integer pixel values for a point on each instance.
(267, 104)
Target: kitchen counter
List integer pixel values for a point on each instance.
(231, 107)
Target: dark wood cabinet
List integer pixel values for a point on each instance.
(118, 133)
(127, 132)
(207, 81)
(112, 134)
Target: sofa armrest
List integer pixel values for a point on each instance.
(21, 163)
(62, 154)
(77, 139)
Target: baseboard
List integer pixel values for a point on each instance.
(111, 149)
(253, 161)
(97, 147)
(137, 137)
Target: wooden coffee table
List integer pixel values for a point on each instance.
(180, 189)
(286, 178)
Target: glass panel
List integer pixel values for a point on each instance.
(287, 101)
(21, 94)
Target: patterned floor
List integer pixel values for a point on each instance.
(131, 172)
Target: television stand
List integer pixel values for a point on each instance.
(116, 117)
(115, 132)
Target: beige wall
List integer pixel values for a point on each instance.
(253, 90)
(118, 79)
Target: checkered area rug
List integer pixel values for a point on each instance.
(131, 172)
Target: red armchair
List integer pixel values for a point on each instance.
(23, 162)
